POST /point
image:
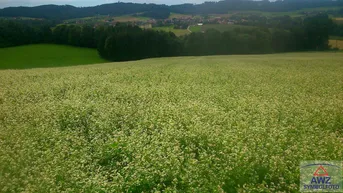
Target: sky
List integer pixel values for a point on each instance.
(83, 3)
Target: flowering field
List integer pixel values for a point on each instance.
(183, 124)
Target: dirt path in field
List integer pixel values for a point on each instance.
(189, 29)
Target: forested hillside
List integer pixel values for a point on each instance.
(124, 42)
(57, 12)
(249, 5)
(163, 11)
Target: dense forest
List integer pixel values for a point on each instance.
(162, 11)
(15, 33)
(124, 42)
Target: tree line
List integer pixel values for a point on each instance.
(124, 42)
(286, 22)
(15, 33)
(311, 34)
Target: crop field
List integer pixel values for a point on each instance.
(182, 124)
(338, 20)
(130, 18)
(179, 15)
(45, 55)
(106, 19)
(227, 15)
(219, 27)
(177, 32)
(336, 44)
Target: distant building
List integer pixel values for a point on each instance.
(200, 24)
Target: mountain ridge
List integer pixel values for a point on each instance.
(62, 12)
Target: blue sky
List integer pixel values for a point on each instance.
(82, 3)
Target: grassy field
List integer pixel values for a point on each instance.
(35, 56)
(336, 38)
(224, 27)
(130, 18)
(195, 28)
(179, 15)
(177, 32)
(183, 124)
(219, 27)
(105, 19)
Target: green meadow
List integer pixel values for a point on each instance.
(224, 27)
(219, 27)
(195, 28)
(46, 55)
(181, 124)
(130, 18)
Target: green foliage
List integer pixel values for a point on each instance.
(123, 43)
(185, 124)
(317, 30)
(162, 12)
(237, 41)
(75, 35)
(310, 34)
(336, 37)
(15, 33)
(38, 56)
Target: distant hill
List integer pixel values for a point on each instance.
(163, 11)
(62, 12)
